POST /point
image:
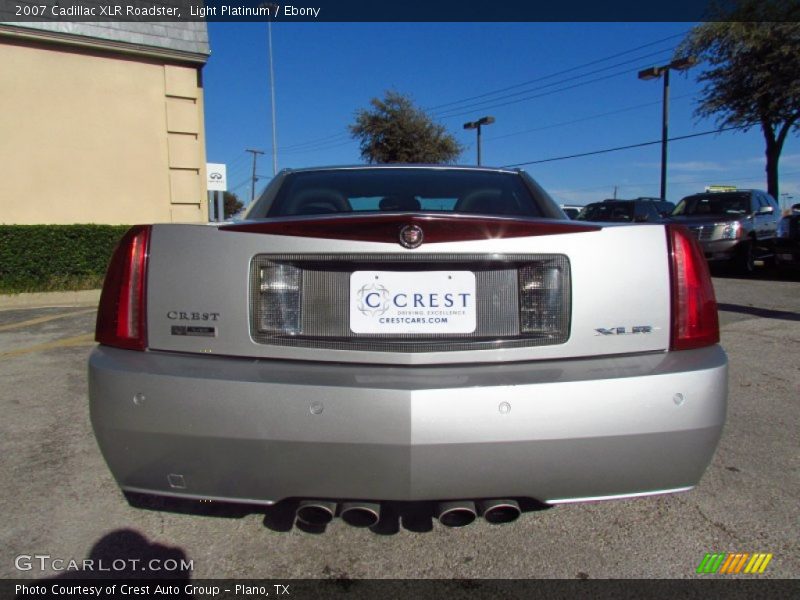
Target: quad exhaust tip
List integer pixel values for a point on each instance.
(456, 514)
(360, 514)
(459, 513)
(499, 511)
(315, 512)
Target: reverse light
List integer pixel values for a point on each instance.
(544, 297)
(694, 308)
(121, 316)
(278, 304)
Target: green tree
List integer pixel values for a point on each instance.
(752, 55)
(393, 130)
(232, 204)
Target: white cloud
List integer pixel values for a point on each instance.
(789, 160)
(698, 166)
(786, 160)
(792, 188)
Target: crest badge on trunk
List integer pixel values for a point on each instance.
(411, 236)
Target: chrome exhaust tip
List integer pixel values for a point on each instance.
(360, 514)
(456, 514)
(315, 512)
(499, 511)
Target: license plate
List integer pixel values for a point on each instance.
(786, 257)
(422, 302)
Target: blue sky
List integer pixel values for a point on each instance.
(555, 89)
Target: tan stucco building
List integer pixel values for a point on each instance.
(102, 122)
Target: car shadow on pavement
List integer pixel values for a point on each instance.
(783, 315)
(767, 273)
(280, 517)
(126, 554)
(203, 508)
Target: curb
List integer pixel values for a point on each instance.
(48, 299)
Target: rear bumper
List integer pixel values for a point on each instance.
(263, 430)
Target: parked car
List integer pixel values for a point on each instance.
(620, 211)
(739, 226)
(663, 207)
(787, 247)
(407, 333)
(571, 210)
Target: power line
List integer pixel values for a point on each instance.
(240, 160)
(477, 106)
(583, 119)
(628, 147)
(327, 146)
(242, 184)
(238, 167)
(646, 183)
(315, 142)
(549, 93)
(556, 74)
(333, 141)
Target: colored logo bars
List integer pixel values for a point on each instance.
(732, 563)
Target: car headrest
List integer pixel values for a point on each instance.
(481, 201)
(399, 203)
(317, 201)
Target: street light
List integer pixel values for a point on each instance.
(272, 103)
(477, 125)
(273, 13)
(680, 64)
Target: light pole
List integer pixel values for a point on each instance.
(680, 64)
(273, 13)
(272, 92)
(477, 125)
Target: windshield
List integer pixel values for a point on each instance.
(737, 203)
(607, 211)
(401, 190)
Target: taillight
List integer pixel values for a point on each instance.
(121, 317)
(694, 307)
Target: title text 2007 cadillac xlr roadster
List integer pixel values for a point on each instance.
(407, 333)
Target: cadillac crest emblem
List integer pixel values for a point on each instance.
(411, 236)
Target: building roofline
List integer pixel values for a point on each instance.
(99, 44)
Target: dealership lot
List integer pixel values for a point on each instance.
(59, 499)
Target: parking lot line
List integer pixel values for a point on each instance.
(45, 319)
(87, 339)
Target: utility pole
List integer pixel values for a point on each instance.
(253, 183)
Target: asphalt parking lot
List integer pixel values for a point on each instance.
(59, 499)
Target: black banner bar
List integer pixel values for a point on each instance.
(358, 10)
(66, 588)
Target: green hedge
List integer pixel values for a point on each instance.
(42, 258)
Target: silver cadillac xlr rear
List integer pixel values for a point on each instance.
(374, 334)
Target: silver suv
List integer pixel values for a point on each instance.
(735, 226)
